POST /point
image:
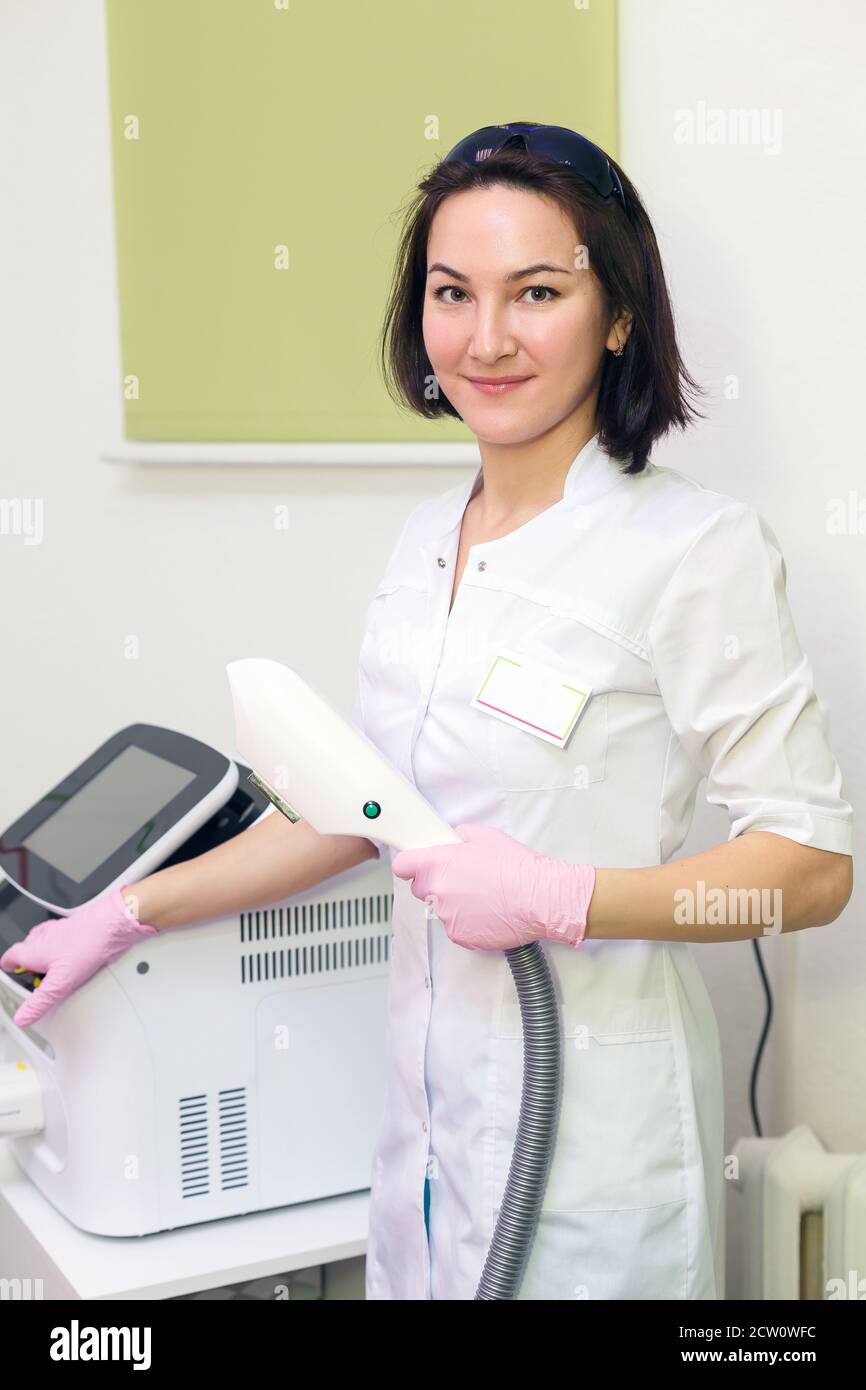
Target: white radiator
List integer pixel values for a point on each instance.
(802, 1220)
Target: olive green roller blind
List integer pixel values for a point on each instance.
(261, 151)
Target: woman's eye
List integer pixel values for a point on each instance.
(443, 289)
(547, 290)
(449, 289)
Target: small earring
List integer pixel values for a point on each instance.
(620, 349)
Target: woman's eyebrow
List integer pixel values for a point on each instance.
(515, 274)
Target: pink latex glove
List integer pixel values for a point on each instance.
(493, 893)
(68, 950)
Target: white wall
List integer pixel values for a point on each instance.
(764, 257)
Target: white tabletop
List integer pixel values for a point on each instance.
(186, 1260)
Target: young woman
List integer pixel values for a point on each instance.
(529, 300)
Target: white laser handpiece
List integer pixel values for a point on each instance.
(313, 763)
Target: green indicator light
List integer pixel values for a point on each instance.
(372, 809)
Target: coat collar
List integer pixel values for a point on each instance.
(592, 473)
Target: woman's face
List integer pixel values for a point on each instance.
(549, 325)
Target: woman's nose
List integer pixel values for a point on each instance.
(492, 337)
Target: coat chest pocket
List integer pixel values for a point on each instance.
(393, 650)
(396, 640)
(519, 760)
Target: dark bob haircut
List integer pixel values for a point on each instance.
(643, 393)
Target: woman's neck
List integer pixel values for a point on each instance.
(520, 481)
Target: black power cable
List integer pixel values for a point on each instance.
(753, 1084)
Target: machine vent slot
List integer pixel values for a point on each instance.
(194, 1168)
(233, 1138)
(195, 1137)
(315, 938)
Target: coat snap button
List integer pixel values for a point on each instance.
(482, 564)
(440, 562)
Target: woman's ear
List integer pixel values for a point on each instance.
(620, 330)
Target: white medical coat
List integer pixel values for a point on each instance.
(669, 599)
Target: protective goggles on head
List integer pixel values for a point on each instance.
(554, 142)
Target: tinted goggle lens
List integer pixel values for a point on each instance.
(552, 141)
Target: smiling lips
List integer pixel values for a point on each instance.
(497, 386)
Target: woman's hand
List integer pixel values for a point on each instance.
(68, 950)
(493, 893)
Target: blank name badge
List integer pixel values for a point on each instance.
(532, 696)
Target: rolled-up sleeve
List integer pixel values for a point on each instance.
(738, 689)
